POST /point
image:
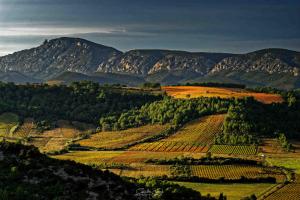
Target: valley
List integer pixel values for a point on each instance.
(189, 140)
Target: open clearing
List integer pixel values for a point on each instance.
(8, 123)
(199, 91)
(119, 139)
(196, 136)
(232, 191)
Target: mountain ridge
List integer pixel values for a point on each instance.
(60, 55)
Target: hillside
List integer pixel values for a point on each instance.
(72, 59)
(268, 67)
(57, 56)
(27, 174)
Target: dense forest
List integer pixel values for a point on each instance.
(248, 120)
(81, 101)
(174, 111)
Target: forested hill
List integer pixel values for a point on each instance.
(84, 101)
(27, 174)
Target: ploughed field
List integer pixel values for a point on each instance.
(201, 91)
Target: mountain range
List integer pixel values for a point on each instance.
(74, 59)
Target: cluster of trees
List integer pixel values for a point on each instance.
(151, 85)
(164, 190)
(81, 101)
(207, 160)
(235, 139)
(174, 111)
(284, 142)
(248, 120)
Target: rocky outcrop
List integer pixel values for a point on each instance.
(268, 61)
(56, 56)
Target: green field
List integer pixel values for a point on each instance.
(8, 123)
(234, 149)
(232, 191)
(291, 163)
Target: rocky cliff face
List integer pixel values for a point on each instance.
(267, 61)
(57, 56)
(146, 62)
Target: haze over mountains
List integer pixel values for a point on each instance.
(74, 59)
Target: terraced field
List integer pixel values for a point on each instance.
(119, 139)
(233, 149)
(199, 91)
(8, 124)
(193, 137)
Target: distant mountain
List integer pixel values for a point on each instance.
(147, 62)
(102, 78)
(56, 56)
(17, 77)
(72, 59)
(268, 67)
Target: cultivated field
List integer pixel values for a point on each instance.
(26, 129)
(235, 172)
(232, 191)
(199, 91)
(119, 139)
(124, 157)
(289, 191)
(8, 124)
(234, 149)
(55, 139)
(195, 137)
(138, 167)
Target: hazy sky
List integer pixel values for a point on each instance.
(193, 25)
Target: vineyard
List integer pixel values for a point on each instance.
(26, 129)
(195, 137)
(125, 157)
(235, 172)
(199, 91)
(234, 149)
(164, 146)
(289, 191)
(119, 139)
(232, 191)
(8, 123)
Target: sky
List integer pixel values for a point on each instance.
(236, 26)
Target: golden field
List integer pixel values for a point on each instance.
(200, 91)
(195, 136)
(119, 139)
